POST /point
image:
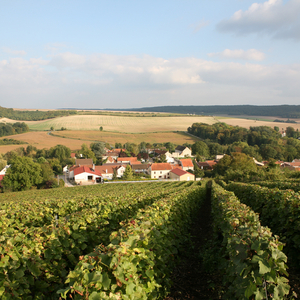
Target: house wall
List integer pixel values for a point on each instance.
(185, 177)
(84, 177)
(164, 174)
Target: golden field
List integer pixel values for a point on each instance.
(85, 129)
(120, 123)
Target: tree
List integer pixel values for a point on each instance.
(200, 148)
(86, 152)
(22, 175)
(98, 149)
(101, 128)
(60, 152)
(128, 174)
(118, 145)
(114, 174)
(51, 128)
(197, 171)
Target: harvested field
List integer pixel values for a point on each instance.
(74, 139)
(120, 124)
(113, 137)
(42, 140)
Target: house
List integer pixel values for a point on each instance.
(111, 154)
(107, 170)
(291, 165)
(88, 162)
(207, 165)
(110, 160)
(140, 168)
(73, 155)
(84, 175)
(182, 151)
(130, 160)
(161, 170)
(181, 175)
(187, 164)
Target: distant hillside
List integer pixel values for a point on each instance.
(26, 115)
(282, 111)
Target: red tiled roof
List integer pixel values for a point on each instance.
(179, 172)
(73, 155)
(1, 177)
(187, 162)
(130, 159)
(85, 169)
(161, 166)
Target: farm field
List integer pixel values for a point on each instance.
(74, 139)
(42, 140)
(113, 137)
(119, 123)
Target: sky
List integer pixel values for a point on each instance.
(138, 53)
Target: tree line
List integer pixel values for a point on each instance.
(11, 129)
(26, 115)
(283, 111)
(261, 142)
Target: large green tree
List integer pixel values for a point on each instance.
(200, 148)
(22, 175)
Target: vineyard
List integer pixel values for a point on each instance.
(123, 241)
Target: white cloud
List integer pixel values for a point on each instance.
(198, 26)
(13, 52)
(251, 54)
(273, 17)
(102, 81)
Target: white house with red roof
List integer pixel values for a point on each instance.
(181, 175)
(186, 164)
(161, 170)
(84, 175)
(107, 170)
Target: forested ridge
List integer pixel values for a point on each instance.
(283, 111)
(26, 115)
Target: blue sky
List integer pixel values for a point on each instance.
(125, 54)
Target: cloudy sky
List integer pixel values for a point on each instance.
(136, 53)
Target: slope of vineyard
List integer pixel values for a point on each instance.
(278, 209)
(254, 265)
(45, 233)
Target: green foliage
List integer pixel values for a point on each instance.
(128, 173)
(13, 128)
(200, 148)
(36, 115)
(60, 152)
(101, 128)
(254, 265)
(86, 152)
(277, 209)
(11, 142)
(197, 171)
(52, 230)
(98, 149)
(136, 263)
(22, 175)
